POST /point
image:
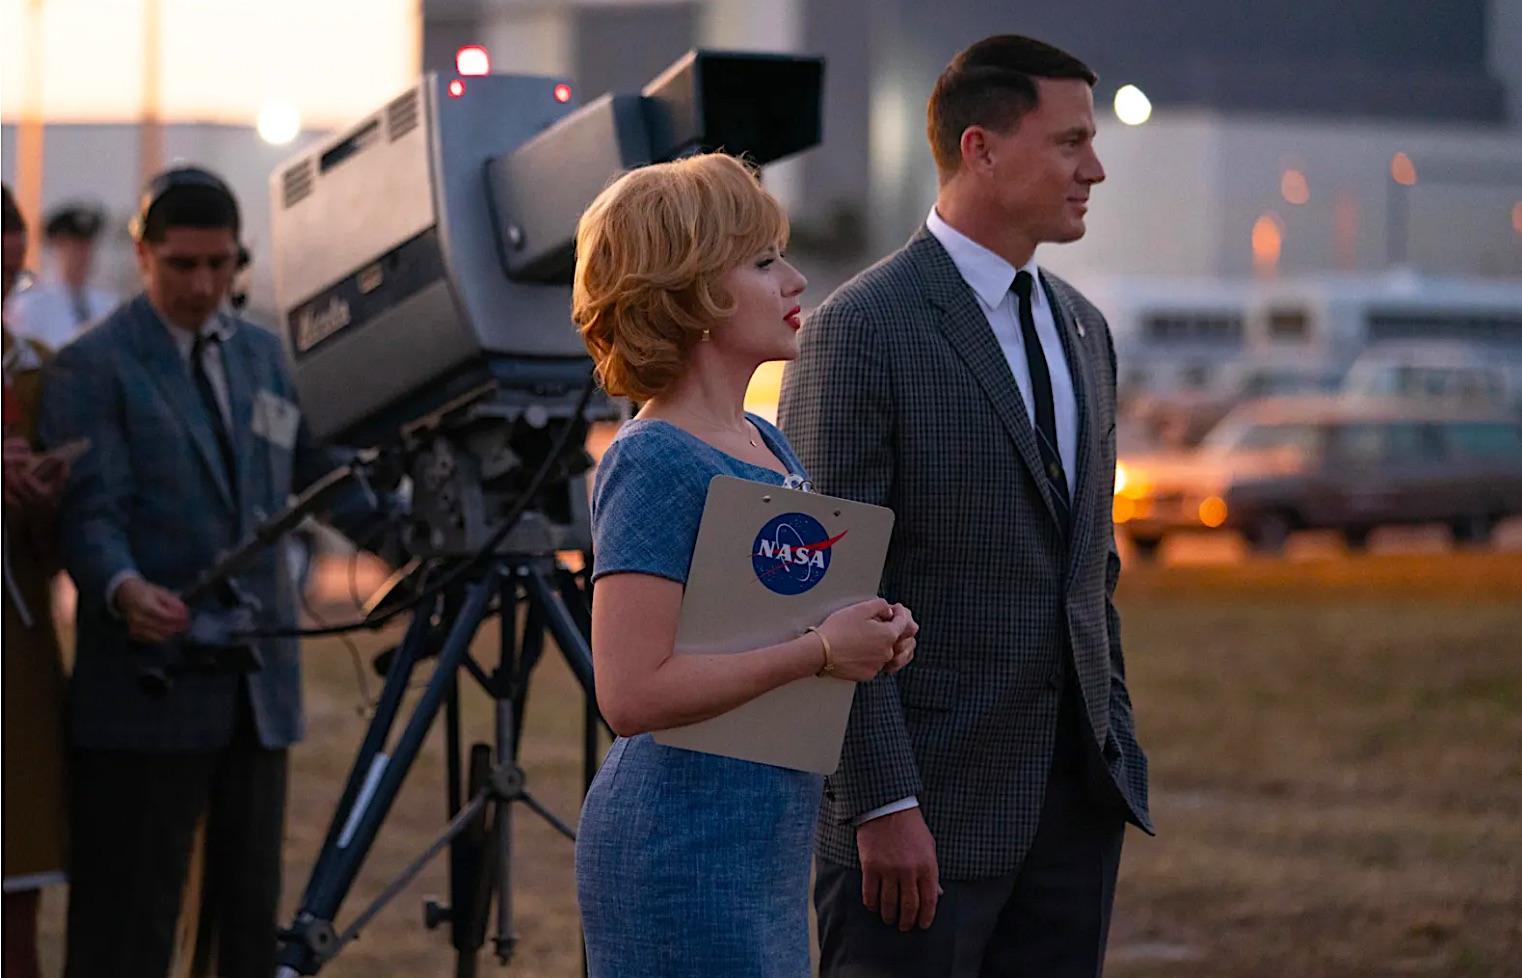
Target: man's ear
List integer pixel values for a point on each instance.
(977, 156)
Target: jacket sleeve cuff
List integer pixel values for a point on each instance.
(116, 582)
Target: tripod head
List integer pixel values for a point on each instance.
(496, 459)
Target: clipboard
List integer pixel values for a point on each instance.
(768, 563)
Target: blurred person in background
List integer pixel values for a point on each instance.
(973, 393)
(60, 306)
(688, 864)
(196, 436)
(34, 686)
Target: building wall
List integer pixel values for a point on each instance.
(1184, 191)
(99, 163)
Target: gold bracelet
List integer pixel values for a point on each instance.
(829, 663)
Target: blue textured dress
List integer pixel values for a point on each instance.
(687, 864)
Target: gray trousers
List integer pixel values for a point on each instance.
(1049, 919)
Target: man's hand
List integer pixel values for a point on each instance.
(23, 486)
(153, 614)
(899, 876)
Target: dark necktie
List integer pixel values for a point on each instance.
(81, 303)
(1041, 393)
(210, 405)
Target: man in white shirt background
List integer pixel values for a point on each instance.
(56, 309)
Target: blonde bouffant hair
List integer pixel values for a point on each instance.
(650, 252)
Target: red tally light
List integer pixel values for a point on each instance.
(472, 60)
(562, 93)
(456, 88)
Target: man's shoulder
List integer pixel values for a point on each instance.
(897, 280)
(1068, 293)
(103, 338)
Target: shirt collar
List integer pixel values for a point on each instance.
(988, 275)
(218, 328)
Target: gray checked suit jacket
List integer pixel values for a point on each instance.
(151, 495)
(902, 397)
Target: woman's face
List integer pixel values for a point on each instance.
(765, 323)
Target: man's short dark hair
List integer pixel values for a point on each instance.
(992, 84)
(14, 223)
(80, 221)
(187, 197)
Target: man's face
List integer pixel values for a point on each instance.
(76, 258)
(188, 274)
(14, 245)
(1039, 174)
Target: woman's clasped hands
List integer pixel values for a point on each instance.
(868, 638)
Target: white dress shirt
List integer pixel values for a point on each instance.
(50, 313)
(990, 278)
(211, 358)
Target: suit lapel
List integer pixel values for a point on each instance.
(157, 352)
(240, 402)
(967, 328)
(1071, 329)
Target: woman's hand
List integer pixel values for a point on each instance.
(903, 649)
(861, 639)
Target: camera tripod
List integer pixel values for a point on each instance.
(481, 790)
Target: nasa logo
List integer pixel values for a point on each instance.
(792, 553)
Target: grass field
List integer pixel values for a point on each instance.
(1336, 751)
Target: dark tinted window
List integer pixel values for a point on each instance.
(1480, 439)
(1288, 325)
(1413, 443)
(1268, 437)
(1194, 327)
(1362, 444)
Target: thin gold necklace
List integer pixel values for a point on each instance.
(746, 433)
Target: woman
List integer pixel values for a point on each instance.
(34, 684)
(690, 863)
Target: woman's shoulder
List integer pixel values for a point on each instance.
(655, 457)
(653, 444)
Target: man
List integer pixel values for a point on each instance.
(195, 437)
(33, 682)
(57, 311)
(979, 404)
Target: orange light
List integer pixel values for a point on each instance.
(1402, 170)
(1294, 188)
(1516, 217)
(1213, 511)
(472, 59)
(562, 93)
(1267, 242)
(1124, 509)
(456, 88)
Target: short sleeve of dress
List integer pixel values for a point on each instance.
(647, 503)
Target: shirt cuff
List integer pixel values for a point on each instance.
(902, 805)
(121, 578)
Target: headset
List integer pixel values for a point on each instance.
(181, 176)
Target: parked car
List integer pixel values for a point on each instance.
(1455, 375)
(1349, 464)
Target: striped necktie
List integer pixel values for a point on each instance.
(1046, 412)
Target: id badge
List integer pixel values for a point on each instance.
(276, 419)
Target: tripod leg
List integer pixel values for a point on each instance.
(305, 945)
(398, 675)
(510, 692)
(576, 593)
(562, 624)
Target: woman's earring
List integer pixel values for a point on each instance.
(706, 336)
